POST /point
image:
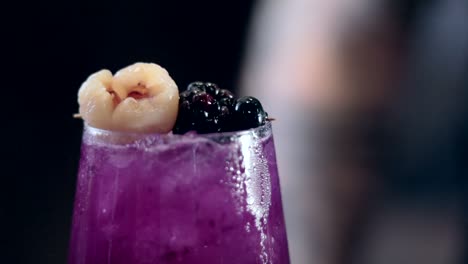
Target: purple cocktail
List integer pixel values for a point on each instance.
(149, 198)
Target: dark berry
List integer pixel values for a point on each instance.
(196, 85)
(185, 95)
(223, 93)
(229, 102)
(205, 112)
(198, 111)
(183, 124)
(209, 125)
(204, 101)
(188, 94)
(211, 88)
(205, 108)
(225, 110)
(204, 121)
(185, 106)
(195, 91)
(248, 113)
(224, 119)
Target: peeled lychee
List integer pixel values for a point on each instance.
(139, 98)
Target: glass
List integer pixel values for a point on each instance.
(191, 198)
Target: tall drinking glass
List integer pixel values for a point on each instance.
(212, 198)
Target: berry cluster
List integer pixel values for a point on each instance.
(205, 108)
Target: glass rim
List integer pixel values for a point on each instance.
(220, 137)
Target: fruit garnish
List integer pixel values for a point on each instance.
(139, 98)
(249, 113)
(205, 108)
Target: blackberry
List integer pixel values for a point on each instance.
(223, 93)
(195, 86)
(198, 109)
(205, 108)
(204, 101)
(226, 110)
(248, 113)
(211, 89)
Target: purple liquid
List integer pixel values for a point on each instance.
(178, 199)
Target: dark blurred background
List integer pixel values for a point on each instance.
(373, 93)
